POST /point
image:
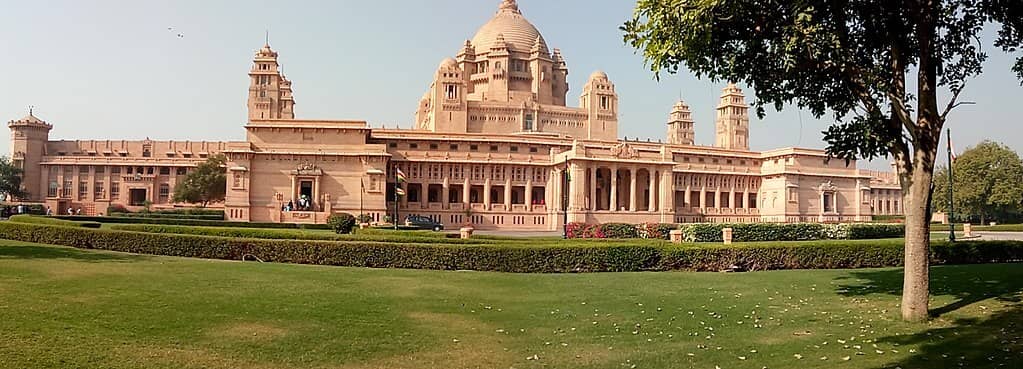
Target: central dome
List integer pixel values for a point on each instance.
(519, 34)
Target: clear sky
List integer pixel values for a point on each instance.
(112, 70)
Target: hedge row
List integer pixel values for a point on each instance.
(553, 258)
(760, 232)
(32, 219)
(190, 222)
(169, 216)
(293, 234)
(741, 232)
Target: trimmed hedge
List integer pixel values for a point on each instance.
(293, 234)
(32, 219)
(190, 222)
(539, 258)
(169, 216)
(741, 232)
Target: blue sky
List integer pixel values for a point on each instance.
(112, 70)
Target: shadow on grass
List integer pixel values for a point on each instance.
(994, 340)
(54, 252)
(968, 284)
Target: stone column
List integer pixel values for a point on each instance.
(445, 195)
(424, 195)
(703, 196)
(294, 188)
(652, 206)
(317, 201)
(465, 192)
(486, 194)
(632, 189)
(529, 194)
(576, 187)
(613, 204)
(687, 197)
(507, 193)
(593, 187)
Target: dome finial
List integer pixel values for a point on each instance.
(510, 5)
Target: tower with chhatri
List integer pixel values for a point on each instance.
(732, 125)
(28, 146)
(270, 95)
(507, 80)
(680, 125)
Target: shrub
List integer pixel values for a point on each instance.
(158, 215)
(761, 232)
(656, 230)
(116, 209)
(618, 230)
(511, 257)
(583, 230)
(341, 223)
(32, 219)
(364, 218)
(190, 222)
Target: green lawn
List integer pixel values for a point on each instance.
(70, 308)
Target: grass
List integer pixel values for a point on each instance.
(65, 307)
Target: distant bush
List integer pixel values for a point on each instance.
(618, 230)
(516, 257)
(32, 219)
(117, 209)
(341, 223)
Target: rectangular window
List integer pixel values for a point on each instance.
(149, 170)
(238, 180)
(514, 149)
(493, 147)
(83, 189)
(413, 146)
(83, 169)
(433, 146)
(393, 145)
(164, 193)
(51, 191)
(453, 147)
(115, 170)
(115, 190)
(97, 192)
(165, 171)
(474, 147)
(66, 191)
(533, 150)
(101, 170)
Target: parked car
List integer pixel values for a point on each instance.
(421, 222)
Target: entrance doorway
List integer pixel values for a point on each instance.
(305, 195)
(136, 196)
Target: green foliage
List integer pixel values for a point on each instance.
(619, 230)
(341, 223)
(10, 179)
(412, 237)
(207, 183)
(190, 222)
(767, 232)
(364, 218)
(988, 182)
(32, 219)
(542, 258)
(741, 232)
(158, 215)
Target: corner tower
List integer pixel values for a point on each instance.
(733, 120)
(680, 125)
(28, 145)
(270, 94)
(600, 101)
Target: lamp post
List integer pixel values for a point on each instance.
(564, 201)
(951, 212)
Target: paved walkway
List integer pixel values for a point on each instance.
(1012, 236)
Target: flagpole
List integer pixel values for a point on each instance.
(395, 220)
(951, 212)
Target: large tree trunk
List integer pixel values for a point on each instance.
(916, 195)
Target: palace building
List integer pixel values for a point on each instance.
(494, 143)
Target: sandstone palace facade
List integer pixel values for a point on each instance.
(494, 143)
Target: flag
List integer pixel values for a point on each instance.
(399, 191)
(400, 175)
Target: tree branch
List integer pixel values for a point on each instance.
(952, 104)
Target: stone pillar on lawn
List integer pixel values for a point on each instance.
(726, 235)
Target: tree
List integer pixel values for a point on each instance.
(988, 183)
(205, 184)
(10, 179)
(850, 59)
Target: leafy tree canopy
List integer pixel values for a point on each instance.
(987, 181)
(207, 183)
(10, 179)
